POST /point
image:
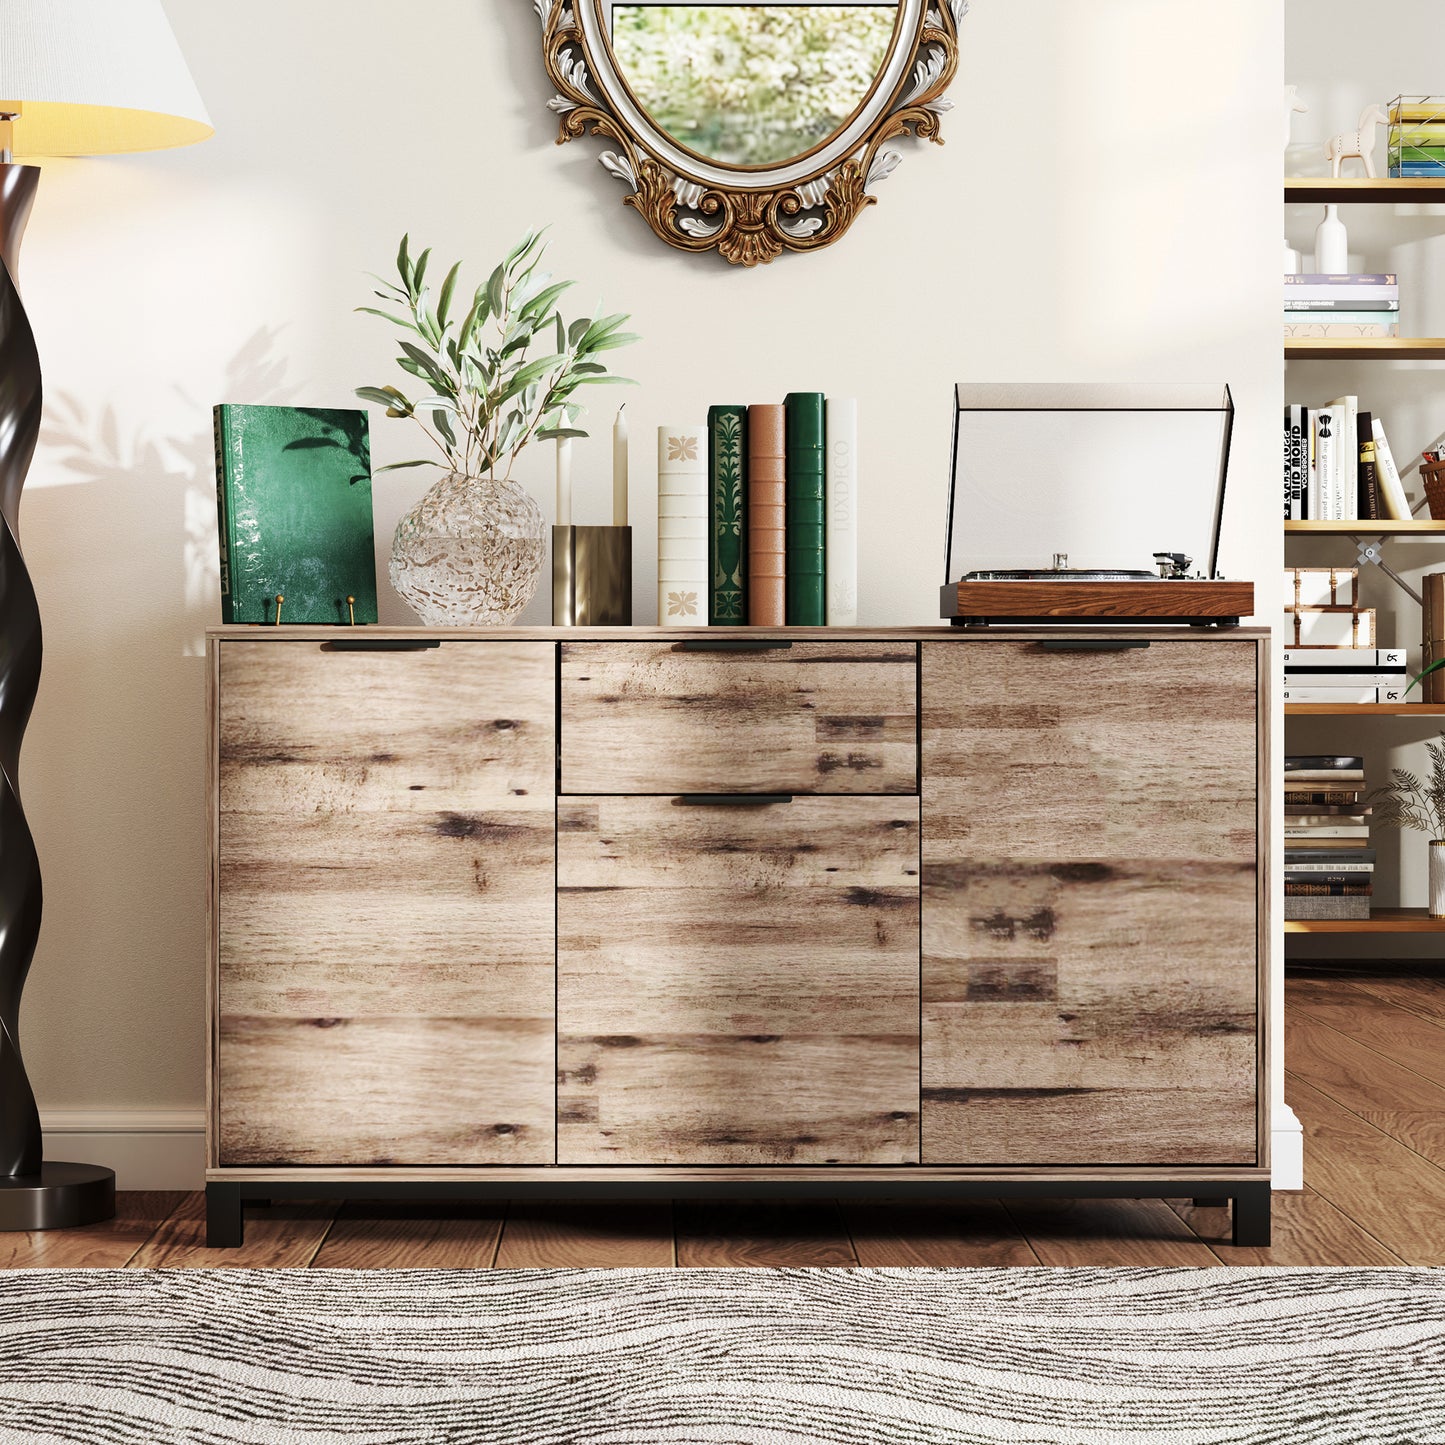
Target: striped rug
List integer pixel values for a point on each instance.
(744, 1357)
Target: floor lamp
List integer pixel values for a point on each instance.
(77, 78)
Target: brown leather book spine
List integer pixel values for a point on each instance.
(1432, 648)
(767, 514)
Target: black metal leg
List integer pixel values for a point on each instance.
(1212, 1203)
(1251, 1216)
(225, 1222)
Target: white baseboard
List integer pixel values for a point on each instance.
(1287, 1149)
(147, 1148)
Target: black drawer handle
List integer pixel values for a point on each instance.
(1092, 644)
(731, 644)
(730, 800)
(379, 644)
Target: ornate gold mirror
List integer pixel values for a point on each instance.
(750, 129)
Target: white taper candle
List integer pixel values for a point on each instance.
(564, 481)
(619, 468)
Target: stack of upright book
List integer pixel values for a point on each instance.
(1341, 307)
(1329, 866)
(1345, 676)
(1417, 137)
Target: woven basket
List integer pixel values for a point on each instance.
(1433, 474)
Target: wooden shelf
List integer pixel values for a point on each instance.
(1368, 348)
(1364, 709)
(1417, 528)
(1382, 920)
(1359, 191)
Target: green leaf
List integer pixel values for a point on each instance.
(444, 301)
(420, 271)
(444, 426)
(387, 316)
(387, 396)
(561, 333)
(611, 343)
(397, 466)
(496, 298)
(541, 305)
(578, 330)
(444, 383)
(605, 381)
(555, 433)
(604, 326)
(1434, 667)
(403, 261)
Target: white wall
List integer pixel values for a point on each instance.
(1106, 206)
(1396, 56)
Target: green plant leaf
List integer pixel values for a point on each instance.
(578, 330)
(1434, 667)
(382, 396)
(612, 342)
(443, 424)
(387, 316)
(496, 297)
(429, 363)
(555, 433)
(403, 261)
(419, 271)
(605, 381)
(541, 305)
(603, 326)
(397, 466)
(444, 300)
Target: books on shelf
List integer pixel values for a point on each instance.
(767, 491)
(1328, 863)
(1323, 307)
(842, 492)
(1415, 144)
(1328, 627)
(1345, 696)
(1321, 587)
(805, 468)
(682, 526)
(727, 446)
(1339, 466)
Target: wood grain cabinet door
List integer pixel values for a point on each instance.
(385, 914)
(794, 717)
(737, 985)
(1089, 904)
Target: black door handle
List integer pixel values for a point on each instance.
(730, 800)
(732, 644)
(380, 644)
(1092, 644)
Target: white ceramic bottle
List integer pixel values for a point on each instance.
(1332, 244)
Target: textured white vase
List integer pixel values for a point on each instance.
(470, 553)
(1291, 260)
(1332, 244)
(1437, 878)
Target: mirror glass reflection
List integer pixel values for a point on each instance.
(750, 85)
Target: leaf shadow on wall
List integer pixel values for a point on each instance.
(124, 559)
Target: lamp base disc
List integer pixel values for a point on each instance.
(61, 1196)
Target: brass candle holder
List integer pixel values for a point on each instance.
(592, 576)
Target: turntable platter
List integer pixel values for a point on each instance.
(1064, 574)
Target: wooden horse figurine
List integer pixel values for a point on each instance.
(1293, 106)
(1359, 145)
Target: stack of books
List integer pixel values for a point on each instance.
(1339, 466)
(1417, 137)
(1345, 676)
(1329, 866)
(1341, 307)
(767, 534)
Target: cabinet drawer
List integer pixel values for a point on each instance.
(385, 936)
(799, 717)
(737, 984)
(1090, 964)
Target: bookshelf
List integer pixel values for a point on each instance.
(1381, 920)
(1358, 191)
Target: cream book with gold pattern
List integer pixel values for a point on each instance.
(682, 525)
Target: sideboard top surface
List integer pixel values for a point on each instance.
(926, 633)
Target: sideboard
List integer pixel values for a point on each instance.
(614, 912)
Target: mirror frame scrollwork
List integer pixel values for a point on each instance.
(750, 216)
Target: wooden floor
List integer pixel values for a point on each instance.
(1365, 1055)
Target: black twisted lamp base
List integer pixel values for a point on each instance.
(33, 1194)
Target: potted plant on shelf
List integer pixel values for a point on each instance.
(472, 550)
(1407, 801)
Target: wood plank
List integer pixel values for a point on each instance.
(1383, 1186)
(369, 1234)
(1133, 600)
(636, 1234)
(1090, 949)
(1381, 920)
(1078, 1233)
(816, 717)
(938, 1234)
(283, 1236)
(107, 1245)
(386, 875)
(738, 985)
(1405, 1037)
(1368, 348)
(761, 1234)
(1420, 993)
(1385, 190)
(1306, 1231)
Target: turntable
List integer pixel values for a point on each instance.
(1105, 474)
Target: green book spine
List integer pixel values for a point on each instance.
(807, 513)
(293, 504)
(223, 519)
(727, 431)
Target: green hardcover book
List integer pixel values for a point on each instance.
(806, 518)
(293, 497)
(727, 433)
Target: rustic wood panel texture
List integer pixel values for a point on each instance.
(284, 1236)
(386, 871)
(1099, 599)
(737, 985)
(761, 1234)
(818, 717)
(1090, 964)
(636, 1234)
(936, 1234)
(111, 1244)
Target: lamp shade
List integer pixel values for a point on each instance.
(90, 77)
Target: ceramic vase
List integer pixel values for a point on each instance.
(470, 553)
(1291, 260)
(1437, 878)
(1332, 244)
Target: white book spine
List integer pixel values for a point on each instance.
(1326, 434)
(1347, 454)
(1330, 867)
(1345, 696)
(682, 523)
(1345, 657)
(1392, 490)
(842, 504)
